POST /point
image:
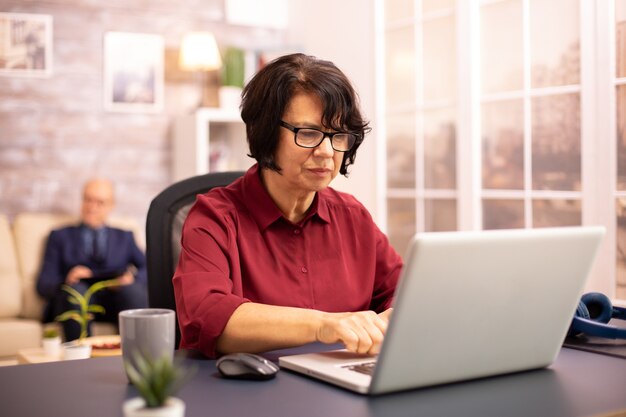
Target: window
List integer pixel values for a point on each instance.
(620, 193)
(492, 120)
(530, 114)
(421, 118)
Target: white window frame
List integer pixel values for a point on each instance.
(598, 134)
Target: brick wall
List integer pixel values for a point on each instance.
(54, 132)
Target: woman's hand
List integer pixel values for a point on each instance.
(360, 332)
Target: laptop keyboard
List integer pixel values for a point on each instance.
(366, 368)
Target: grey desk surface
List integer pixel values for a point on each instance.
(577, 384)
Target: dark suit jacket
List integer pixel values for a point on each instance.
(64, 251)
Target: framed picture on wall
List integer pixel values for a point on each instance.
(25, 44)
(133, 72)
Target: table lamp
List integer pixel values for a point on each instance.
(199, 52)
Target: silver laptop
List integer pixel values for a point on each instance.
(470, 305)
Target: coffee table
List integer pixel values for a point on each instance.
(37, 355)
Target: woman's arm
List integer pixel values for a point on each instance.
(257, 327)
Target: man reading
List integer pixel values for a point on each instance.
(81, 254)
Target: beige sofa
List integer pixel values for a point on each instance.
(23, 246)
(16, 330)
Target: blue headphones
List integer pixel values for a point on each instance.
(592, 315)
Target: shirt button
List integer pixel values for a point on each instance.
(304, 270)
(296, 231)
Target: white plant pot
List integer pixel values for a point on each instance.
(136, 407)
(73, 350)
(230, 97)
(52, 346)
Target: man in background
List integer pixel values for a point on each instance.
(90, 251)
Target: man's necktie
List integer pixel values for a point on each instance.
(97, 246)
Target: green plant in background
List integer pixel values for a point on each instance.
(157, 380)
(233, 67)
(85, 311)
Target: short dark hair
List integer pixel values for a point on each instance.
(266, 96)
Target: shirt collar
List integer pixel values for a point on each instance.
(263, 209)
(86, 227)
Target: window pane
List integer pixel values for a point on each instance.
(440, 215)
(400, 66)
(401, 222)
(439, 59)
(620, 37)
(398, 9)
(501, 46)
(555, 213)
(621, 248)
(434, 5)
(503, 145)
(440, 149)
(556, 142)
(503, 214)
(621, 137)
(555, 54)
(401, 150)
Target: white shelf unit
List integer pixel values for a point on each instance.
(209, 140)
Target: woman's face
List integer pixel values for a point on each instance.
(305, 169)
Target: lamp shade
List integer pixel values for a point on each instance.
(198, 52)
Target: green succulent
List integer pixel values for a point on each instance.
(156, 379)
(50, 333)
(85, 311)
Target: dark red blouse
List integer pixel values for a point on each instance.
(238, 247)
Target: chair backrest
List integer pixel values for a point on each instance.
(164, 223)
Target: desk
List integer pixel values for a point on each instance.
(577, 384)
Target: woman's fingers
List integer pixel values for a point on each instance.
(360, 332)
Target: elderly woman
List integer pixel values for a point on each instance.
(278, 258)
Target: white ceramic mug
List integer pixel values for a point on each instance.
(150, 332)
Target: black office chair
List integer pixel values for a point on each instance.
(164, 223)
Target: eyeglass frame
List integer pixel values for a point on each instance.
(325, 135)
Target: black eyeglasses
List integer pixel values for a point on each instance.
(308, 137)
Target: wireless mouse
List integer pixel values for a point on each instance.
(246, 366)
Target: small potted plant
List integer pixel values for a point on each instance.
(157, 381)
(232, 78)
(84, 312)
(51, 342)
